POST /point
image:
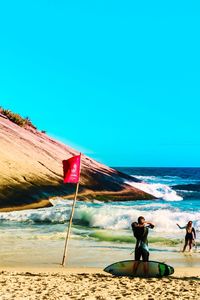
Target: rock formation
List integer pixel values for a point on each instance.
(31, 171)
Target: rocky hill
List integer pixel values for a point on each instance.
(31, 171)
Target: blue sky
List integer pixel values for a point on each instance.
(118, 80)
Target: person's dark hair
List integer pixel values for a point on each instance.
(140, 219)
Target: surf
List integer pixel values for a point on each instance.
(158, 190)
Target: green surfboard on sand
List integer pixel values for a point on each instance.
(125, 268)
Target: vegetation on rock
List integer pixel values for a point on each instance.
(16, 118)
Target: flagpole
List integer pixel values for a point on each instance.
(70, 223)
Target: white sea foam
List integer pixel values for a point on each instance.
(145, 178)
(108, 216)
(48, 215)
(168, 180)
(158, 190)
(113, 217)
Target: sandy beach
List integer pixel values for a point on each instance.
(92, 283)
(31, 253)
(99, 150)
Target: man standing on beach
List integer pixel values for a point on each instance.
(140, 232)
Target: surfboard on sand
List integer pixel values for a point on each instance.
(126, 268)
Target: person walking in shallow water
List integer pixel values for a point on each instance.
(190, 235)
(140, 232)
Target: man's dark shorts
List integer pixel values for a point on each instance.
(140, 252)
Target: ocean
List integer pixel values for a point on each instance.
(101, 232)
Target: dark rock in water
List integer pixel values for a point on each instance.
(187, 187)
(31, 172)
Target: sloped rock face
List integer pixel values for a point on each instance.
(31, 171)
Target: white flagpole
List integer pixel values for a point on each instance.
(70, 222)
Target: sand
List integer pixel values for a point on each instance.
(76, 283)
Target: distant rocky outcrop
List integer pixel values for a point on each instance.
(31, 171)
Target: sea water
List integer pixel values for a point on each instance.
(101, 232)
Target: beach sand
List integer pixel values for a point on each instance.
(30, 269)
(92, 283)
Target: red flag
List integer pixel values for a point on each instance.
(71, 169)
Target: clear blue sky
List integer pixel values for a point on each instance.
(119, 80)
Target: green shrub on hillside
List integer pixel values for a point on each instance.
(16, 118)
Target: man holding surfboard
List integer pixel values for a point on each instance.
(138, 268)
(140, 232)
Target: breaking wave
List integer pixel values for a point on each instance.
(110, 237)
(158, 190)
(114, 216)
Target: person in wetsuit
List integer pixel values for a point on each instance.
(140, 232)
(190, 235)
